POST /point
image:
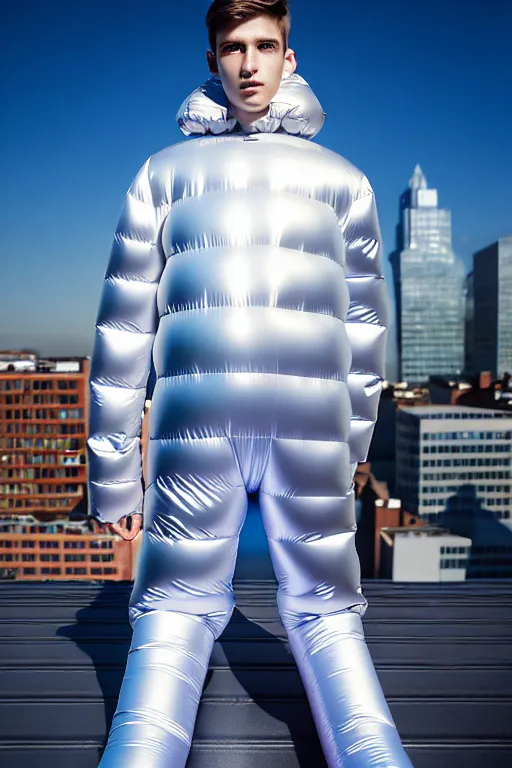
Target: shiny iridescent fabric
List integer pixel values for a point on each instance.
(247, 267)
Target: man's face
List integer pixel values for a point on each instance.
(254, 47)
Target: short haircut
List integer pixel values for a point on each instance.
(224, 13)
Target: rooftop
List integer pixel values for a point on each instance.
(442, 653)
(420, 530)
(438, 411)
(15, 362)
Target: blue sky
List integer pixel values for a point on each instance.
(90, 89)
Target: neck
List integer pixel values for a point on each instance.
(246, 119)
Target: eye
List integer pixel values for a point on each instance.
(268, 45)
(230, 47)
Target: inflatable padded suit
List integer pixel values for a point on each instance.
(246, 269)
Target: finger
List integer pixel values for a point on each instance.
(115, 527)
(136, 523)
(121, 530)
(134, 530)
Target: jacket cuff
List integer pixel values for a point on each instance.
(110, 502)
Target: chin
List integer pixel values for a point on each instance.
(257, 107)
(254, 106)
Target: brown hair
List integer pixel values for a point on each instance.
(222, 14)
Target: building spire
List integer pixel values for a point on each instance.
(418, 179)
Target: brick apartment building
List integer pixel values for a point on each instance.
(43, 476)
(63, 550)
(43, 416)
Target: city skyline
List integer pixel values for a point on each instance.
(88, 102)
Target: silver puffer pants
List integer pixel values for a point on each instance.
(247, 269)
(195, 508)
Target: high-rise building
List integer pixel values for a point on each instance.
(429, 287)
(43, 414)
(441, 448)
(492, 326)
(454, 470)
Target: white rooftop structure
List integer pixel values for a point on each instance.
(424, 554)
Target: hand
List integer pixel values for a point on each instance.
(128, 534)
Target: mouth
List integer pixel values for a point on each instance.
(250, 85)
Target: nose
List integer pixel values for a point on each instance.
(249, 66)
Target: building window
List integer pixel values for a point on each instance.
(453, 550)
(454, 563)
(107, 558)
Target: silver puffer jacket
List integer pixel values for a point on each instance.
(247, 264)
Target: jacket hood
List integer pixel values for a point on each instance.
(294, 110)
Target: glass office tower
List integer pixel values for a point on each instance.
(492, 329)
(469, 323)
(429, 287)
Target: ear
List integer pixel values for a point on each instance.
(290, 62)
(211, 60)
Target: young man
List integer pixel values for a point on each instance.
(246, 265)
